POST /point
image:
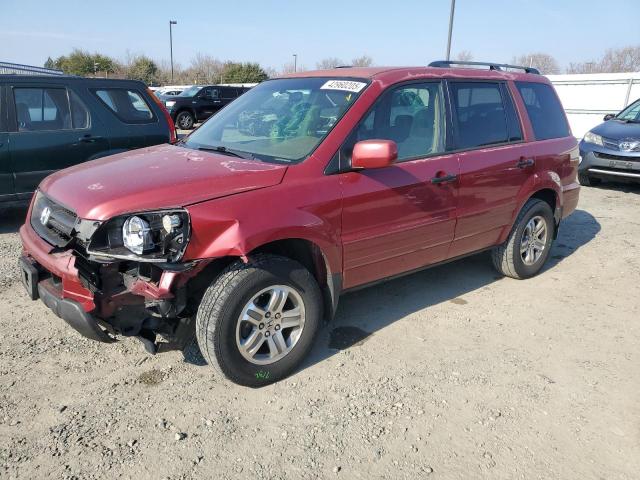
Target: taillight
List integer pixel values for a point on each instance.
(173, 137)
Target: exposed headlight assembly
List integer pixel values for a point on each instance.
(591, 137)
(170, 103)
(159, 237)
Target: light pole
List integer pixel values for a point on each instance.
(295, 62)
(171, 22)
(453, 8)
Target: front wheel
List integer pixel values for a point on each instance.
(258, 320)
(526, 250)
(588, 181)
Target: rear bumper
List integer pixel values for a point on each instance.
(570, 197)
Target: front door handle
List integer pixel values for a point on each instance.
(525, 162)
(444, 179)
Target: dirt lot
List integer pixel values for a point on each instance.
(449, 373)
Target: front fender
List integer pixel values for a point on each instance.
(238, 224)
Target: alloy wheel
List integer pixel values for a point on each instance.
(270, 325)
(534, 240)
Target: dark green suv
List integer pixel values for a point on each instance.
(50, 123)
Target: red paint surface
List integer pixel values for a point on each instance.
(369, 224)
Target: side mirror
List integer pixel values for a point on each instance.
(374, 154)
(608, 116)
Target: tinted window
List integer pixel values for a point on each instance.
(411, 116)
(479, 114)
(128, 105)
(40, 109)
(544, 110)
(228, 93)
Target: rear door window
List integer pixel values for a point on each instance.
(544, 110)
(41, 109)
(479, 114)
(128, 105)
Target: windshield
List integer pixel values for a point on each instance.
(279, 120)
(631, 113)
(190, 92)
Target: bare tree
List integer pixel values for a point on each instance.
(542, 61)
(329, 62)
(205, 69)
(362, 61)
(464, 56)
(625, 59)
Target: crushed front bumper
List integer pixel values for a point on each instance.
(116, 308)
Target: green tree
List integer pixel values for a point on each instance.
(82, 63)
(142, 68)
(50, 63)
(243, 73)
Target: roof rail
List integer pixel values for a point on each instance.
(491, 65)
(7, 68)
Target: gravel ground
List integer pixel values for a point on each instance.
(451, 373)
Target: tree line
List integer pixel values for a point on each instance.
(614, 60)
(205, 69)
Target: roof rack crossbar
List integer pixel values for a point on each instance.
(491, 65)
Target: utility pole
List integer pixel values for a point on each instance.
(171, 23)
(453, 8)
(295, 62)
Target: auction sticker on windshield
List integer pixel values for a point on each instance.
(346, 85)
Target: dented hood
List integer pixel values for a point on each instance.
(159, 177)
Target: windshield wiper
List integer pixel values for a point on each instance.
(227, 151)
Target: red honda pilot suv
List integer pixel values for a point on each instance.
(248, 230)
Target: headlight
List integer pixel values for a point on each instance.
(170, 103)
(591, 137)
(136, 235)
(148, 237)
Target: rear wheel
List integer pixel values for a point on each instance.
(588, 181)
(257, 321)
(185, 120)
(526, 250)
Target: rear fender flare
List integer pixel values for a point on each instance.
(545, 180)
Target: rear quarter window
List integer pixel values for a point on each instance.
(544, 110)
(129, 106)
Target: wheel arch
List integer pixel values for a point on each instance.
(544, 186)
(307, 252)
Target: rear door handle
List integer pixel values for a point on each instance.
(89, 139)
(525, 162)
(444, 179)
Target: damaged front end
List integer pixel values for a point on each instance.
(118, 277)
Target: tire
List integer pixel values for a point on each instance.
(185, 120)
(588, 181)
(220, 319)
(508, 257)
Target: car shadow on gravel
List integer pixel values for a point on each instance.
(364, 312)
(623, 187)
(11, 219)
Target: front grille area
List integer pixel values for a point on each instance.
(608, 156)
(53, 222)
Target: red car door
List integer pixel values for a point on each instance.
(494, 163)
(401, 217)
